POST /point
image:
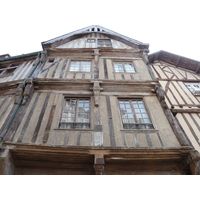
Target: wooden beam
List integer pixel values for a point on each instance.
(198, 69)
(178, 61)
(186, 110)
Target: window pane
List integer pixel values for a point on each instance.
(104, 43)
(129, 68)
(74, 66)
(118, 67)
(83, 110)
(125, 120)
(91, 40)
(85, 66)
(146, 121)
(134, 115)
(75, 111)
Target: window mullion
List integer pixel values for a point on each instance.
(124, 67)
(80, 66)
(76, 111)
(133, 111)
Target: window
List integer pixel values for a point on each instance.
(80, 66)
(8, 70)
(134, 114)
(76, 114)
(124, 67)
(91, 40)
(194, 88)
(104, 43)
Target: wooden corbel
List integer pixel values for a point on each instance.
(99, 164)
(145, 56)
(193, 160)
(28, 91)
(19, 92)
(43, 57)
(96, 90)
(98, 169)
(96, 56)
(161, 96)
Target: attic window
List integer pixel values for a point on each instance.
(91, 40)
(104, 43)
(51, 60)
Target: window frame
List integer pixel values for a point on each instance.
(190, 86)
(80, 66)
(136, 125)
(6, 71)
(104, 44)
(124, 68)
(75, 124)
(88, 40)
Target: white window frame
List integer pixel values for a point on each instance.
(80, 66)
(193, 87)
(123, 63)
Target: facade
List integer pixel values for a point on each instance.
(89, 103)
(179, 77)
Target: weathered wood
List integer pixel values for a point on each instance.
(6, 162)
(49, 123)
(186, 110)
(25, 126)
(177, 130)
(105, 69)
(99, 169)
(110, 122)
(41, 116)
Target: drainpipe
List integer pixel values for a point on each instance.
(20, 100)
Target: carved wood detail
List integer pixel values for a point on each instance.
(96, 90)
(28, 91)
(96, 56)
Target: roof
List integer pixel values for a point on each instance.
(176, 60)
(16, 59)
(84, 31)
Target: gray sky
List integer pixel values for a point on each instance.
(171, 25)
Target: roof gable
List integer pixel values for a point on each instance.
(91, 41)
(55, 42)
(176, 60)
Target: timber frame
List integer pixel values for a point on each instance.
(31, 141)
(100, 160)
(175, 60)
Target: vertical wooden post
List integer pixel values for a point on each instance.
(180, 134)
(99, 169)
(99, 164)
(194, 162)
(98, 134)
(6, 162)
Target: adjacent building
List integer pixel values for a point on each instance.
(180, 80)
(90, 103)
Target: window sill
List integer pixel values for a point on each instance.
(141, 130)
(77, 72)
(126, 72)
(65, 129)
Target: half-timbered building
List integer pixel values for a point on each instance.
(179, 77)
(89, 103)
